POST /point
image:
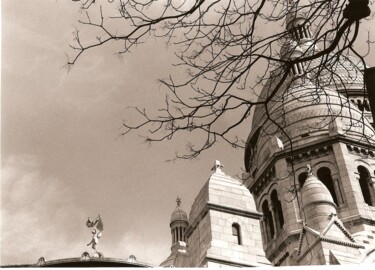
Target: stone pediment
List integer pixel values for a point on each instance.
(334, 233)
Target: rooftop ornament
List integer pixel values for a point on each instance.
(178, 201)
(97, 226)
(217, 167)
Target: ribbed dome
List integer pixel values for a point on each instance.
(303, 100)
(178, 215)
(305, 112)
(344, 72)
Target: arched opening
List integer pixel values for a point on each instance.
(277, 210)
(302, 178)
(324, 175)
(236, 231)
(251, 149)
(364, 183)
(268, 222)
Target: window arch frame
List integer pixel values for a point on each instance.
(365, 186)
(328, 181)
(268, 225)
(236, 231)
(277, 210)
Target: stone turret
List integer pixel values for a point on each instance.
(317, 203)
(178, 225)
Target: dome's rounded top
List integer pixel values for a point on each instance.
(301, 113)
(315, 192)
(179, 215)
(295, 16)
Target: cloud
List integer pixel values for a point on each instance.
(38, 214)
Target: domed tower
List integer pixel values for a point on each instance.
(312, 120)
(178, 225)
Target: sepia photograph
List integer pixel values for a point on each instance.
(187, 133)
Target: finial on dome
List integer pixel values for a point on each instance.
(308, 169)
(178, 201)
(217, 167)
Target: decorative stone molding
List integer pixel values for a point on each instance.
(320, 237)
(310, 154)
(235, 211)
(263, 183)
(360, 151)
(282, 259)
(339, 224)
(300, 241)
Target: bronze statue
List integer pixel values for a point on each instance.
(96, 232)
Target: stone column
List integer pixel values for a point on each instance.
(276, 226)
(339, 197)
(263, 230)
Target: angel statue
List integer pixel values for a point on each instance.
(96, 232)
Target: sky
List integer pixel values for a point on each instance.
(62, 159)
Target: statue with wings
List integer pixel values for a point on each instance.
(97, 226)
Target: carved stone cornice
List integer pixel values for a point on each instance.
(263, 182)
(311, 150)
(310, 154)
(361, 151)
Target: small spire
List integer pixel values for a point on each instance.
(178, 201)
(217, 167)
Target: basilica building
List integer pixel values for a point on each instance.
(308, 194)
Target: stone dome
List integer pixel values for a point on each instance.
(179, 215)
(317, 203)
(305, 112)
(314, 191)
(347, 73)
(295, 17)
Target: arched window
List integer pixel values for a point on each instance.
(268, 222)
(236, 231)
(364, 182)
(277, 210)
(302, 178)
(324, 175)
